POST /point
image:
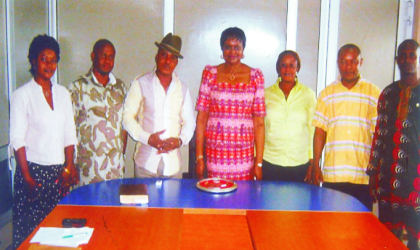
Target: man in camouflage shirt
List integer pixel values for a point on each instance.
(98, 105)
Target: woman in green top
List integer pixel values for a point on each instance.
(288, 131)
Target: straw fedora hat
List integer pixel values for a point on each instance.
(172, 44)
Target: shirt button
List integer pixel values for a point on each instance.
(348, 132)
(417, 105)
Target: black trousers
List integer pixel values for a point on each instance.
(272, 172)
(358, 191)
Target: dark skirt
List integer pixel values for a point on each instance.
(27, 214)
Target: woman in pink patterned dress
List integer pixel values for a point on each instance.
(231, 112)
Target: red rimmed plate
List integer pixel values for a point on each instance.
(216, 185)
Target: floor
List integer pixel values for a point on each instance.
(6, 230)
(5, 202)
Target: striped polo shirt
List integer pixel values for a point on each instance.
(348, 116)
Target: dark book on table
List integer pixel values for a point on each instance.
(134, 194)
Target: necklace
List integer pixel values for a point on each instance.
(47, 92)
(233, 73)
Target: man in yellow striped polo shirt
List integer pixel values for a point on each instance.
(344, 121)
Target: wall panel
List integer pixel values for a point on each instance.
(132, 25)
(30, 20)
(201, 24)
(372, 25)
(307, 41)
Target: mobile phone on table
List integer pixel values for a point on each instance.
(74, 222)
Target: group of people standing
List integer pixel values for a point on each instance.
(243, 131)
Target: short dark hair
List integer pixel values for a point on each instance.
(233, 32)
(38, 44)
(101, 43)
(349, 46)
(283, 54)
(406, 42)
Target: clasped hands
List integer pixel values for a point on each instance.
(164, 146)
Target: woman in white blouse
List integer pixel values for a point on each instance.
(43, 135)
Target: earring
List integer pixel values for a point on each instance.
(221, 56)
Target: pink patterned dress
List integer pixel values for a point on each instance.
(230, 128)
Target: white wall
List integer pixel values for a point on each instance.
(372, 25)
(133, 28)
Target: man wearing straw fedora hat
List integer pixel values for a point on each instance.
(158, 114)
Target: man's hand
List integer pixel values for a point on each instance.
(170, 144)
(308, 177)
(317, 176)
(372, 188)
(155, 141)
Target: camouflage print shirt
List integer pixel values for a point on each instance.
(98, 114)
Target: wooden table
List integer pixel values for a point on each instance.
(187, 227)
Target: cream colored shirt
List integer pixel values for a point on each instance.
(98, 112)
(288, 130)
(148, 109)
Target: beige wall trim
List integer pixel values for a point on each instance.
(416, 20)
(292, 19)
(52, 27)
(168, 16)
(10, 72)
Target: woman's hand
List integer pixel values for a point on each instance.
(31, 186)
(74, 174)
(64, 181)
(257, 172)
(69, 176)
(202, 118)
(29, 182)
(199, 168)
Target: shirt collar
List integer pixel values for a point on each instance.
(112, 79)
(296, 87)
(174, 77)
(34, 83)
(357, 83)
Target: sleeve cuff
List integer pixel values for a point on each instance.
(17, 145)
(143, 137)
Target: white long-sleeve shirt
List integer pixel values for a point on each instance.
(44, 132)
(148, 109)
